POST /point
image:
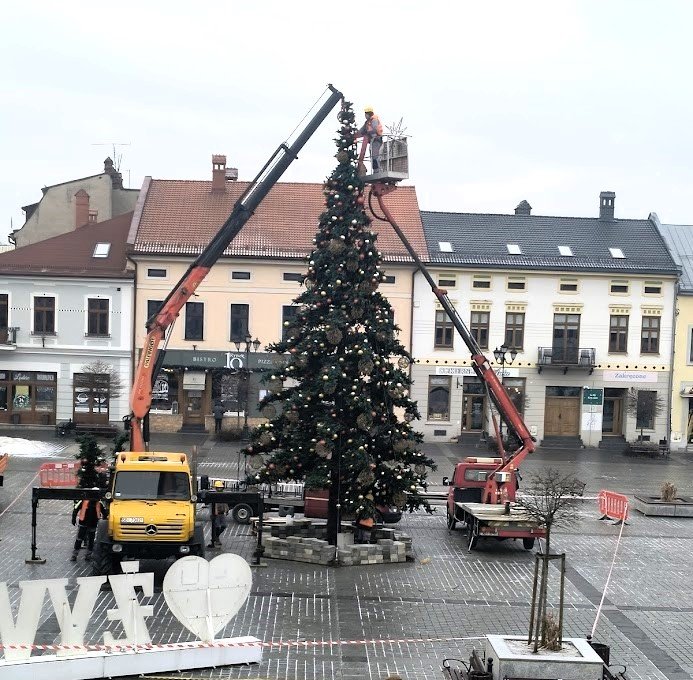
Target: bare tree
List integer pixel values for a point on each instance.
(548, 499)
(101, 367)
(644, 406)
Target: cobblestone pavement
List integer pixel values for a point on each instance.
(445, 595)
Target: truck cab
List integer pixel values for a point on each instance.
(151, 511)
(468, 483)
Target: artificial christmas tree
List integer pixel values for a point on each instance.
(91, 457)
(332, 421)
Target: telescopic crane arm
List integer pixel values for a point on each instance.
(500, 486)
(152, 357)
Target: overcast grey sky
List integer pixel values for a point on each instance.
(546, 101)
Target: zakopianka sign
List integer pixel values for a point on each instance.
(203, 596)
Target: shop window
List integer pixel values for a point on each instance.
(97, 316)
(194, 320)
(649, 335)
(289, 313)
(27, 397)
(479, 328)
(239, 323)
(515, 387)
(439, 397)
(514, 330)
(618, 333)
(44, 315)
(90, 397)
(443, 330)
(165, 392)
(229, 388)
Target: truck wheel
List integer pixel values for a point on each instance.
(527, 543)
(242, 513)
(198, 547)
(452, 520)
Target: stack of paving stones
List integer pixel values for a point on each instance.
(304, 528)
(385, 550)
(299, 549)
(394, 535)
(303, 541)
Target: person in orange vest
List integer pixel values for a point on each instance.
(364, 529)
(373, 130)
(88, 514)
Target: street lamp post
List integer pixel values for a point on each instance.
(500, 355)
(255, 345)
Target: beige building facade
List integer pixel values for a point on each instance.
(70, 205)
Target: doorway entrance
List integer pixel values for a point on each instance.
(193, 411)
(612, 414)
(562, 412)
(473, 406)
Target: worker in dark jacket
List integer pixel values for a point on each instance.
(218, 410)
(87, 515)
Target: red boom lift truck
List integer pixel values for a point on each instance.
(482, 490)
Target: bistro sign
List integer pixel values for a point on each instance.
(234, 361)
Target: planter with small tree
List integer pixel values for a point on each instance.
(668, 504)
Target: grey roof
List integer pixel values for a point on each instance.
(480, 240)
(679, 238)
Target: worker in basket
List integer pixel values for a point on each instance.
(372, 129)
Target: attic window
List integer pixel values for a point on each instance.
(616, 253)
(101, 250)
(445, 246)
(565, 251)
(513, 248)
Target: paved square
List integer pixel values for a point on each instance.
(322, 616)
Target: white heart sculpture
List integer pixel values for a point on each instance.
(205, 596)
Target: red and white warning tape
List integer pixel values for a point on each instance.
(222, 643)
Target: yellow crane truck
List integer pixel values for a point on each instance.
(151, 513)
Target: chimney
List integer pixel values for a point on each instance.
(81, 208)
(116, 177)
(523, 208)
(606, 205)
(218, 172)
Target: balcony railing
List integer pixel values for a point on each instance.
(8, 336)
(567, 357)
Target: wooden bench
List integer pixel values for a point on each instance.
(97, 429)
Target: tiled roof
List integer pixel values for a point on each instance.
(481, 240)
(71, 254)
(679, 238)
(181, 217)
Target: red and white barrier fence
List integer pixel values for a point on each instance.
(613, 505)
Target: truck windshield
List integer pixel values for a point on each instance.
(151, 485)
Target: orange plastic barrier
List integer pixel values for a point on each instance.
(59, 475)
(613, 505)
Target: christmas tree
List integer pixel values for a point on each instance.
(91, 458)
(333, 421)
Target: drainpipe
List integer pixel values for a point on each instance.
(670, 394)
